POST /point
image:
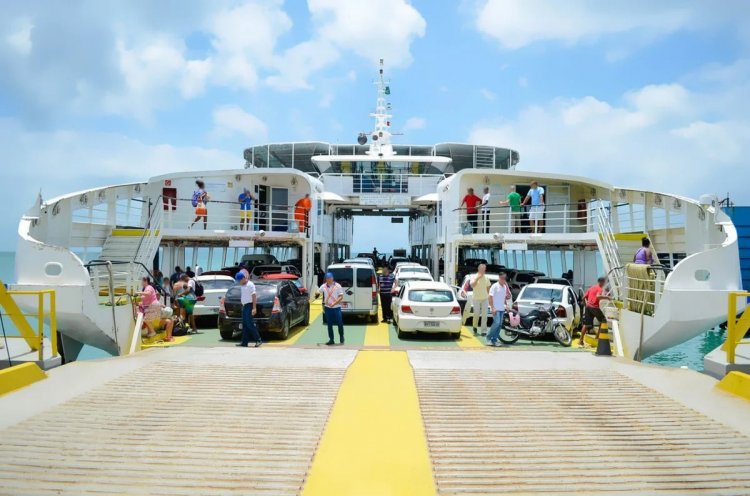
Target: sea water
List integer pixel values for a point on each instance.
(688, 354)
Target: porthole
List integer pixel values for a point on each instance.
(53, 269)
(702, 275)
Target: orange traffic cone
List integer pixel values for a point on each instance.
(602, 343)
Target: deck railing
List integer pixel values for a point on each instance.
(34, 339)
(556, 218)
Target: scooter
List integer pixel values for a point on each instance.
(536, 323)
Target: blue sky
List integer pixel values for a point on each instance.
(638, 93)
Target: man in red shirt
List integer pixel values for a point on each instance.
(472, 214)
(592, 297)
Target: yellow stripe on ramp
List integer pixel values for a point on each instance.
(469, 340)
(374, 443)
(377, 335)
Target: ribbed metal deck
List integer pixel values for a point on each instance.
(176, 428)
(572, 431)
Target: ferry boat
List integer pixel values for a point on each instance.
(92, 247)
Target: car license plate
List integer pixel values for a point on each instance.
(345, 305)
(428, 323)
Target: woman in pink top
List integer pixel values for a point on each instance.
(148, 294)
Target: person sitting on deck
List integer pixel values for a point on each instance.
(154, 321)
(184, 291)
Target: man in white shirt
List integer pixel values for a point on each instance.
(249, 299)
(333, 294)
(486, 211)
(499, 299)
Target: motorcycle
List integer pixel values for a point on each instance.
(536, 323)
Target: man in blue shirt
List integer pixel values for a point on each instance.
(246, 210)
(385, 283)
(536, 214)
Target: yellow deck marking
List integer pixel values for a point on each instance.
(374, 443)
(315, 311)
(158, 341)
(468, 340)
(377, 335)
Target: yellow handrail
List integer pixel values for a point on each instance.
(736, 328)
(35, 340)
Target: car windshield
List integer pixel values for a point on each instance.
(264, 291)
(422, 270)
(431, 295)
(210, 284)
(541, 294)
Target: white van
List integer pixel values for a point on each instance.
(360, 285)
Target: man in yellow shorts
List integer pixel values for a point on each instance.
(246, 210)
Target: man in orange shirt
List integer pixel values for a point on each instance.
(302, 211)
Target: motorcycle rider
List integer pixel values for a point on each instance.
(499, 298)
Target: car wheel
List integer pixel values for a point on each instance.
(226, 334)
(401, 334)
(306, 320)
(373, 319)
(456, 335)
(287, 324)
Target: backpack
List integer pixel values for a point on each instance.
(196, 198)
(180, 328)
(198, 288)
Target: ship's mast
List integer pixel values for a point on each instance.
(380, 144)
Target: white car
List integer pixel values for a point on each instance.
(410, 268)
(359, 260)
(562, 296)
(427, 306)
(214, 289)
(409, 277)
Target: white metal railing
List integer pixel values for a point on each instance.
(642, 294)
(557, 218)
(228, 216)
(609, 252)
(356, 183)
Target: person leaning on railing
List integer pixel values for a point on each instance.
(514, 201)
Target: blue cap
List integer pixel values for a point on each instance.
(329, 274)
(239, 276)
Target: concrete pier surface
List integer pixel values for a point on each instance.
(284, 420)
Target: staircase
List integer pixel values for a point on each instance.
(608, 247)
(129, 253)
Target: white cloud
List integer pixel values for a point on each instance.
(517, 23)
(59, 162)
(230, 120)
(19, 38)
(684, 137)
(414, 123)
(296, 64)
(487, 94)
(373, 30)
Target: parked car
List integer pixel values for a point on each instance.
(410, 268)
(517, 279)
(259, 271)
(469, 266)
(395, 261)
(366, 260)
(563, 296)
(427, 306)
(372, 257)
(280, 306)
(552, 280)
(409, 277)
(214, 289)
(253, 259)
(289, 277)
(360, 286)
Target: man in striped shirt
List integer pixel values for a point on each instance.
(333, 294)
(385, 283)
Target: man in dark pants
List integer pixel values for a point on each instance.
(472, 214)
(249, 300)
(333, 294)
(385, 283)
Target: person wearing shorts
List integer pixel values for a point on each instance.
(593, 297)
(246, 210)
(535, 197)
(185, 292)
